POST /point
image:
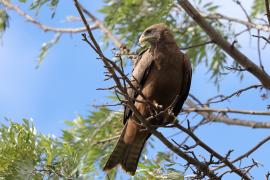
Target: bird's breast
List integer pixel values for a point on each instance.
(163, 83)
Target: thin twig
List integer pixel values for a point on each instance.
(241, 32)
(237, 93)
(248, 153)
(108, 139)
(259, 51)
(262, 37)
(196, 45)
(218, 16)
(243, 9)
(206, 109)
(224, 119)
(211, 151)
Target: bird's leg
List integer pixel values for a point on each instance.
(169, 117)
(158, 106)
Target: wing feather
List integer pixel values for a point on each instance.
(185, 86)
(140, 73)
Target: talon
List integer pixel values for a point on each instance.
(158, 106)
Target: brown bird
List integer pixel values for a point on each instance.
(164, 73)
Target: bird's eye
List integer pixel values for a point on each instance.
(148, 31)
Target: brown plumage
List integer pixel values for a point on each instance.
(164, 73)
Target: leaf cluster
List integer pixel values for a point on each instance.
(78, 154)
(3, 20)
(36, 5)
(257, 8)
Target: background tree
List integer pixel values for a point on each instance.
(81, 150)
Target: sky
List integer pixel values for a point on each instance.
(65, 84)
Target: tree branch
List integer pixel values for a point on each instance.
(217, 16)
(267, 10)
(196, 45)
(103, 28)
(248, 153)
(108, 139)
(224, 119)
(237, 93)
(226, 46)
(206, 109)
(45, 28)
(212, 152)
(243, 9)
(264, 38)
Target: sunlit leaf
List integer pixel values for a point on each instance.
(45, 47)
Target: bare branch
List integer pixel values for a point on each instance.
(212, 152)
(108, 139)
(196, 45)
(248, 153)
(206, 109)
(218, 16)
(237, 93)
(45, 28)
(267, 175)
(262, 37)
(262, 142)
(224, 119)
(243, 9)
(226, 46)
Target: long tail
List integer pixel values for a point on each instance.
(127, 155)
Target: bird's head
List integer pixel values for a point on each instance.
(155, 34)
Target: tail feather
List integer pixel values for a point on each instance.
(116, 156)
(132, 154)
(127, 155)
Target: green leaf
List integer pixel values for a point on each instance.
(3, 21)
(258, 7)
(38, 4)
(45, 47)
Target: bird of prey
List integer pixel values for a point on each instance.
(164, 74)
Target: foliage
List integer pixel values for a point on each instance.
(37, 4)
(3, 21)
(257, 8)
(18, 150)
(46, 46)
(77, 154)
(162, 167)
(80, 152)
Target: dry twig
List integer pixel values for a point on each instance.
(207, 109)
(237, 93)
(224, 119)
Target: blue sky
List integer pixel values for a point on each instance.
(65, 84)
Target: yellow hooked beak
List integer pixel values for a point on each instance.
(142, 40)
